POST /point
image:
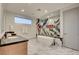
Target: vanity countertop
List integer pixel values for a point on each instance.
(16, 39)
(11, 40)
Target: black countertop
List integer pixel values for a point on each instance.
(1, 45)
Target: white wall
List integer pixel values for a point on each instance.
(62, 19)
(27, 31)
(71, 28)
(19, 28)
(61, 23)
(1, 18)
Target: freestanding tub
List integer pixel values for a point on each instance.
(48, 41)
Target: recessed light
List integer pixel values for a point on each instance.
(22, 10)
(39, 9)
(45, 11)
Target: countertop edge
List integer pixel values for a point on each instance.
(13, 43)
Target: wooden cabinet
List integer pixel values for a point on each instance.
(20, 48)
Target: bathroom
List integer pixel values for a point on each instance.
(47, 31)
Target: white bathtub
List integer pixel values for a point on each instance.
(47, 41)
(44, 40)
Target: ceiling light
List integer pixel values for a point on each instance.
(22, 10)
(38, 9)
(46, 11)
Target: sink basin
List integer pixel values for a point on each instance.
(12, 37)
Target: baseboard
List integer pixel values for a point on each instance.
(71, 48)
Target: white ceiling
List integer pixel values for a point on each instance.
(31, 9)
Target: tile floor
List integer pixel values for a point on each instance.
(36, 48)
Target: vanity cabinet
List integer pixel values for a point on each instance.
(19, 48)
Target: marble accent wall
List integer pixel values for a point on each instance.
(49, 27)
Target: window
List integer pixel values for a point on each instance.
(20, 20)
